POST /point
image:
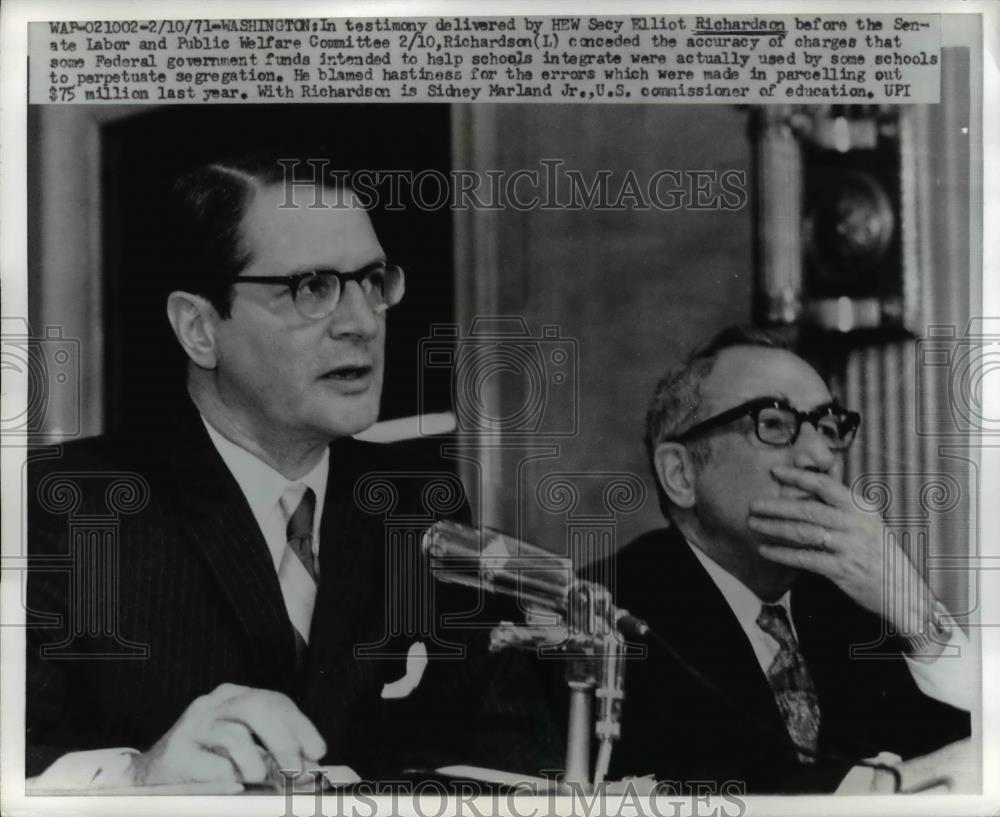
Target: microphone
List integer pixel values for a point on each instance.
(496, 563)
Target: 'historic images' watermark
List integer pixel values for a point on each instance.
(550, 186)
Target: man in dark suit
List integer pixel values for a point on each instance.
(772, 595)
(258, 602)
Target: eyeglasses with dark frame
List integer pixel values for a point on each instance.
(778, 423)
(316, 293)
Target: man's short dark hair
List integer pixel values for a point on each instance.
(204, 241)
(677, 397)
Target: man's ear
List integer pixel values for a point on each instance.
(676, 472)
(193, 319)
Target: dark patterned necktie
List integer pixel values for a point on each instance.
(791, 682)
(298, 574)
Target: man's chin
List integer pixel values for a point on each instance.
(347, 418)
(349, 429)
(773, 579)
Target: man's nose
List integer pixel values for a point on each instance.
(811, 451)
(354, 314)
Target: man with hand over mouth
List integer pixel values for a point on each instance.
(793, 638)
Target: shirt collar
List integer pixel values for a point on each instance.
(260, 483)
(745, 604)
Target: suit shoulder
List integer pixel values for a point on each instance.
(105, 453)
(637, 569)
(644, 552)
(122, 463)
(362, 456)
(413, 475)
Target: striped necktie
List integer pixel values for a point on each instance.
(298, 573)
(791, 682)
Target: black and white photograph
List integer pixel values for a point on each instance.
(525, 409)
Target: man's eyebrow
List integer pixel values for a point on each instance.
(746, 398)
(782, 396)
(381, 259)
(833, 401)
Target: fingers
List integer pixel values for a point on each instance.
(803, 510)
(232, 733)
(181, 761)
(223, 692)
(204, 766)
(235, 742)
(308, 737)
(815, 561)
(236, 732)
(823, 486)
(800, 534)
(201, 711)
(287, 735)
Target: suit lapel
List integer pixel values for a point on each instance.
(825, 631)
(216, 518)
(701, 625)
(350, 601)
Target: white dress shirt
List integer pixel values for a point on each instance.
(947, 678)
(263, 488)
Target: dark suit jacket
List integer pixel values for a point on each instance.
(677, 728)
(145, 596)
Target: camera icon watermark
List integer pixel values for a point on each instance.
(45, 368)
(954, 375)
(503, 379)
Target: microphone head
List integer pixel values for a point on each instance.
(493, 562)
(497, 563)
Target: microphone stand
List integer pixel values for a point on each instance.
(588, 637)
(567, 616)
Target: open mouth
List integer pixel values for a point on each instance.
(348, 373)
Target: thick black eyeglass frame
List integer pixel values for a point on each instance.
(752, 408)
(294, 281)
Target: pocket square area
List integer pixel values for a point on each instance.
(416, 663)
